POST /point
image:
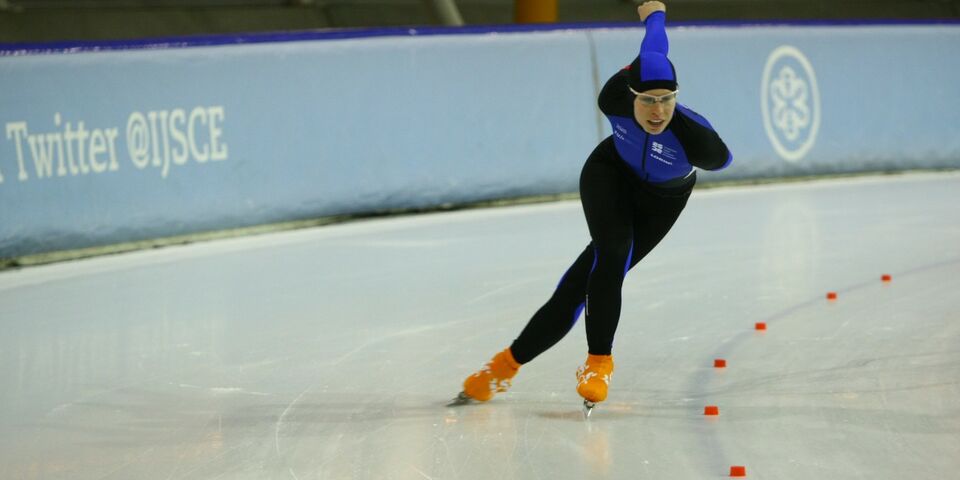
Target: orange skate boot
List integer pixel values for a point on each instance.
(494, 377)
(593, 378)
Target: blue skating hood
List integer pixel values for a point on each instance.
(652, 70)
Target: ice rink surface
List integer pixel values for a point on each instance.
(330, 353)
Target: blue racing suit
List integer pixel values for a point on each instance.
(633, 188)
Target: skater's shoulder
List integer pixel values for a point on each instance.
(687, 112)
(615, 97)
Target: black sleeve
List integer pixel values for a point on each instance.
(703, 146)
(615, 97)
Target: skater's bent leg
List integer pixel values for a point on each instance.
(604, 294)
(617, 253)
(606, 198)
(652, 223)
(556, 317)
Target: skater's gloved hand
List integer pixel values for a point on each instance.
(647, 8)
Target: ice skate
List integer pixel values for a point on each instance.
(588, 408)
(593, 378)
(460, 399)
(493, 378)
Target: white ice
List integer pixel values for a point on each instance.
(329, 353)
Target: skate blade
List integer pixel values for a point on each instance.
(588, 409)
(462, 399)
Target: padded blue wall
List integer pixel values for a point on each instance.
(180, 140)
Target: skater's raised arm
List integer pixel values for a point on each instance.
(653, 15)
(615, 97)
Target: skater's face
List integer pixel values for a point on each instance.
(654, 109)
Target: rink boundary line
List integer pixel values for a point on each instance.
(37, 269)
(279, 424)
(704, 379)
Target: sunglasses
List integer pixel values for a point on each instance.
(651, 100)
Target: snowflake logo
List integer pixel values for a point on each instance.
(791, 111)
(790, 102)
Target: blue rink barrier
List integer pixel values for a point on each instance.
(118, 142)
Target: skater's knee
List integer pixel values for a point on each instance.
(613, 253)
